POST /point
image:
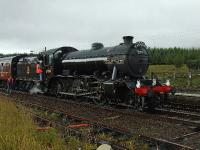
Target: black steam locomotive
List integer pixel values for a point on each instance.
(101, 74)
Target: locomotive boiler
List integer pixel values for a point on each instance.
(125, 60)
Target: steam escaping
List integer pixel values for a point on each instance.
(36, 89)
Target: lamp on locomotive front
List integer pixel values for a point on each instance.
(138, 84)
(154, 82)
(167, 83)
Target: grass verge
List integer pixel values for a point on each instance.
(18, 131)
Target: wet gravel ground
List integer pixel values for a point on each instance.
(150, 125)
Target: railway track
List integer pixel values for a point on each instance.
(186, 102)
(183, 107)
(188, 118)
(117, 119)
(188, 90)
(73, 126)
(154, 142)
(174, 113)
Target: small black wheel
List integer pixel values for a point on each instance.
(162, 100)
(100, 100)
(150, 104)
(131, 98)
(139, 103)
(59, 89)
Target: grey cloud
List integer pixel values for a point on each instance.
(33, 24)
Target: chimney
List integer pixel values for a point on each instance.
(128, 40)
(96, 46)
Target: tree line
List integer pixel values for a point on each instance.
(170, 56)
(175, 56)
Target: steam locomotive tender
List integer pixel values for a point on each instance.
(102, 74)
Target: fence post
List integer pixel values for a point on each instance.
(174, 77)
(189, 78)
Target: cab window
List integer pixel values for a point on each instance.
(50, 59)
(46, 60)
(58, 54)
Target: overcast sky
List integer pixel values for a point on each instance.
(33, 24)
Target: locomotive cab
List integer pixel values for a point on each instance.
(52, 60)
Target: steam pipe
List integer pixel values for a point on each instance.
(114, 73)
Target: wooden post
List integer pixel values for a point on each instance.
(189, 78)
(174, 76)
